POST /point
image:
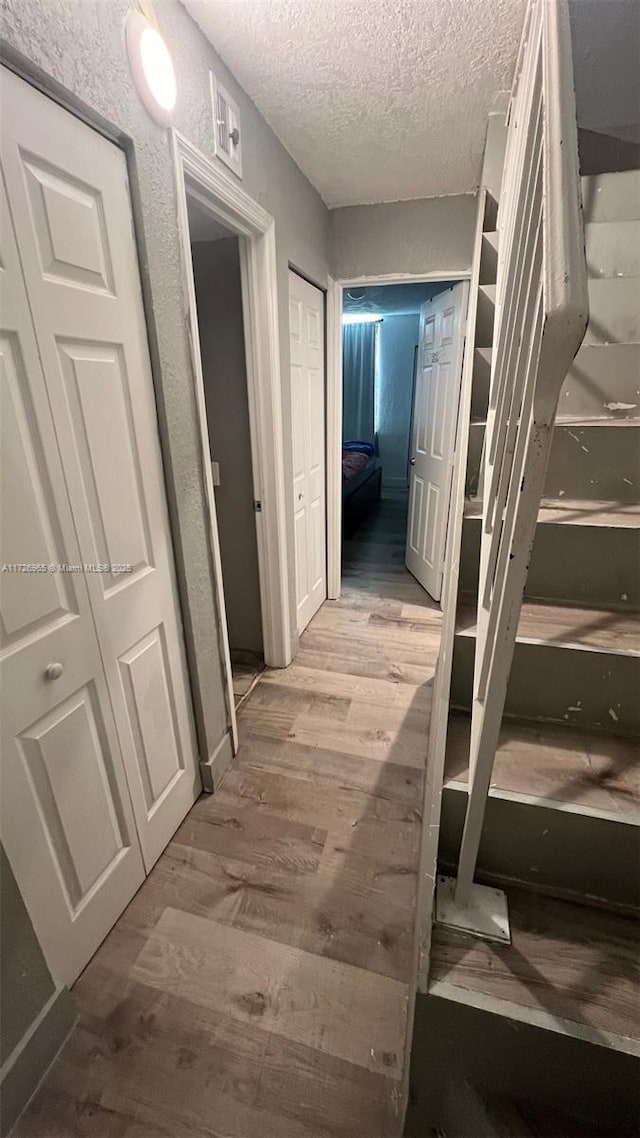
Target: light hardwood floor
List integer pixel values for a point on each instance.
(259, 983)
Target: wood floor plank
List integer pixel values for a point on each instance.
(249, 795)
(245, 829)
(321, 764)
(361, 689)
(357, 663)
(308, 999)
(383, 734)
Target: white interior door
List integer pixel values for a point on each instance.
(67, 823)
(69, 202)
(435, 411)
(306, 330)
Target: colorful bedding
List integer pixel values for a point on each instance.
(353, 461)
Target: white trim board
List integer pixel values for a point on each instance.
(221, 196)
(405, 278)
(334, 401)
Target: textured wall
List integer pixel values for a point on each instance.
(606, 63)
(80, 45)
(494, 148)
(76, 49)
(217, 274)
(394, 390)
(422, 236)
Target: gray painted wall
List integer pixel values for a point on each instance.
(219, 297)
(394, 391)
(423, 236)
(79, 44)
(494, 149)
(606, 62)
(76, 50)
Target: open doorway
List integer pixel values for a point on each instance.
(402, 367)
(215, 255)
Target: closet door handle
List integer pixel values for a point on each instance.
(53, 671)
(412, 461)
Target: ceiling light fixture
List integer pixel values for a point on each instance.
(152, 68)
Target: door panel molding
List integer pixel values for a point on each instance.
(437, 395)
(308, 488)
(222, 196)
(76, 821)
(75, 871)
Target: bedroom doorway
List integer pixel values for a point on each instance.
(223, 212)
(402, 348)
(215, 255)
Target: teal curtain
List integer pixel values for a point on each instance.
(358, 371)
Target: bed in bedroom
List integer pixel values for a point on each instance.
(361, 483)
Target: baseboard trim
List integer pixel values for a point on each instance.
(26, 1067)
(214, 768)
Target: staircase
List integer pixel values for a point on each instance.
(554, 1017)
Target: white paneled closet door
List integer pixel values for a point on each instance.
(69, 201)
(306, 331)
(67, 822)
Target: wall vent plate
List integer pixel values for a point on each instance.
(227, 135)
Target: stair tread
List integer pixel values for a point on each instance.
(569, 511)
(581, 421)
(592, 513)
(596, 629)
(557, 764)
(596, 421)
(575, 962)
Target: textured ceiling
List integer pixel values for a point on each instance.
(376, 100)
(391, 300)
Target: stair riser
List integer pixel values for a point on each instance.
(489, 259)
(614, 311)
(485, 317)
(565, 685)
(454, 1043)
(613, 249)
(582, 565)
(481, 383)
(611, 197)
(553, 849)
(604, 382)
(594, 462)
(474, 458)
(588, 463)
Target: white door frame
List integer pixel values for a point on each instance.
(334, 402)
(222, 196)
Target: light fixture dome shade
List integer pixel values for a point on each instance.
(152, 68)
